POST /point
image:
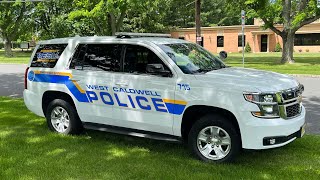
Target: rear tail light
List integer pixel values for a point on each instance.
(25, 78)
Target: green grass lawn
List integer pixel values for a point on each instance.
(28, 150)
(305, 63)
(19, 57)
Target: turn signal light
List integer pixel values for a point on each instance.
(257, 114)
(25, 78)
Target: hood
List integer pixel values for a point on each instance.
(246, 79)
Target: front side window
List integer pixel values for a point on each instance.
(141, 60)
(97, 57)
(192, 58)
(47, 55)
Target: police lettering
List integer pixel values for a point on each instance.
(138, 101)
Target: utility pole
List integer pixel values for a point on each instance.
(243, 22)
(198, 22)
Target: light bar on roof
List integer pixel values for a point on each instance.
(129, 34)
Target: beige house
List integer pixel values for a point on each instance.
(228, 38)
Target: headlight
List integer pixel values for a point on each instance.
(260, 98)
(266, 102)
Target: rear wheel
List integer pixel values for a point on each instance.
(214, 139)
(63, 118)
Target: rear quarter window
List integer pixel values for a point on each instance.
(47, 55)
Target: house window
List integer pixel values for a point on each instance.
(220, 40)
(307, 39)
(240, 40)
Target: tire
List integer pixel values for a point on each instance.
(212, 147)
(63, 118)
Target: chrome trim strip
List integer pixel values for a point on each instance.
(293, 99)
(286, 105)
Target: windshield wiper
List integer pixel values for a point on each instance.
(207, 70)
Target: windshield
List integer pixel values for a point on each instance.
(192, 58)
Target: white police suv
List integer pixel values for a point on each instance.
(162, 88)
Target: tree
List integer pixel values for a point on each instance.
(106, 15)
(51, 19)
(148, 18)
(292, 14)
(213, 12)
(11, 16)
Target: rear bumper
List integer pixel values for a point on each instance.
(33, 102)
(258, 133)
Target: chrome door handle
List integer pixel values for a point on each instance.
(122, 84)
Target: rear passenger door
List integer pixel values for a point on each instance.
(93, 66)
(144, 98)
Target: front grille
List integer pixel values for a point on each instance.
(293, 110)
(289, 102)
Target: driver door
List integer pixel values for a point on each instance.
(142, 96)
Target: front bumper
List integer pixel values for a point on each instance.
(255, 131)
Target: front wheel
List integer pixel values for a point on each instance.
(63, 118)
(214, 139)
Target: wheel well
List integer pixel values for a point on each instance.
(49, 96)
(193, 113)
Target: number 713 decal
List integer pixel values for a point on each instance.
(185, 87)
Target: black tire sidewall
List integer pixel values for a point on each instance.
(75, 126)
(219, 121)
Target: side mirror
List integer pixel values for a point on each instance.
(158, 69)
(223, 55)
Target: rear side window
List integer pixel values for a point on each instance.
(97, 57)
(47, 55)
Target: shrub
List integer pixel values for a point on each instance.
(278, 48)
(247, 48)
(307, 50)
(300, 50)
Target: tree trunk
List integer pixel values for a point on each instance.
(120, 21)
(112, 23)
(287, 51)
(7, 48)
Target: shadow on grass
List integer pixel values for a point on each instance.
(29, 150)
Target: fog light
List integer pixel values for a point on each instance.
(272, 141)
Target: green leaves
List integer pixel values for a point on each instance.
(291, 14)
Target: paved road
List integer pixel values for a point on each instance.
(12, 80)
(12, 84)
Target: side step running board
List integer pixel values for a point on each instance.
(132, 132)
